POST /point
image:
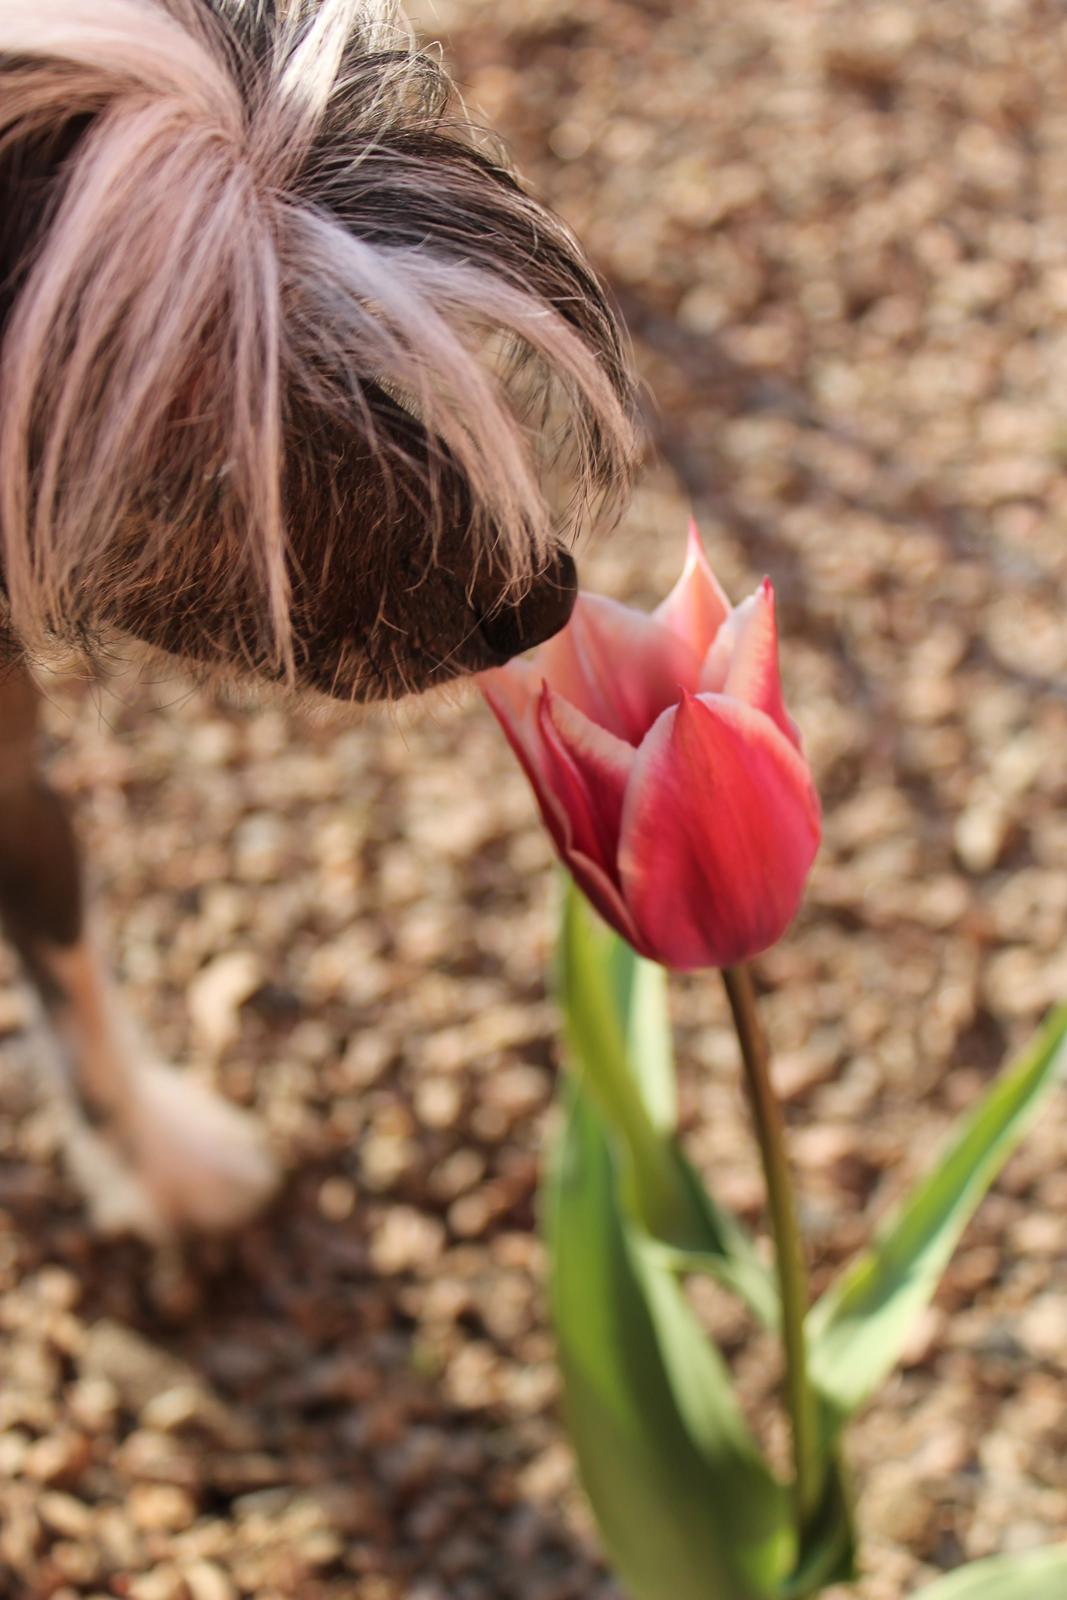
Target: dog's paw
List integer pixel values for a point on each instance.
(203, 1162)
(118, 1202)
(174, 1157)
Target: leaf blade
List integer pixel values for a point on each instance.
(856, 1330)
(1032, 1575)
(618, 1039)
(685, 1503)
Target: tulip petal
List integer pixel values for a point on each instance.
(743, 662)
(595, 767)
(560, 791)
(512, 691)
(619, 667)
(511, 694)
(720, 827)
(585, 771)
(603, 895)
(696, 607)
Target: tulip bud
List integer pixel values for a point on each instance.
(667, 769)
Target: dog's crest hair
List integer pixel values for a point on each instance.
(267, 210)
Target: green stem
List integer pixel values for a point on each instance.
(788, 1246)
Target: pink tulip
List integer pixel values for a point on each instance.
(667, 769)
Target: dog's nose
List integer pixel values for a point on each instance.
(540, 613)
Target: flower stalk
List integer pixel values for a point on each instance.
(788, 1245)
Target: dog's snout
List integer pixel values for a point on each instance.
(541, 612)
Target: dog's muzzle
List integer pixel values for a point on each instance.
(541, 612)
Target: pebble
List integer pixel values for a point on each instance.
(217, 994)
(65, 1515)
(338, 1199)
(60, 1458)
(405, 1240)
(162, 1583)
(981, 834)
(160, 1507)
(206, 1581)
(1043, 1329)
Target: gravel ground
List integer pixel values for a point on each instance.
(839, 232)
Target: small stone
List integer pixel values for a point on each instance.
(946, 1451)
(162, 1583)
(156, 1457)
(136, 1369)
(217, 994)
(259, 847)
(337, 1199)
(93, 1402)
(118, 1540)
(173, 1409)
(77, 1560)
(797, 1072)
(64, 1514)
(58, 1459)
(981, 834)
(206, 1581)
(319, 1548)
(438, 1101)
(902, 1507)
(520, 1090)
(21, 1536)
(14, 1448)
(191, 1405)
(366, 1059)
(831, 1152)
(406, 1240)
(1043, 1328)
(924, 1338)
(161, 1507)
(460, 1171)
(57, 1288)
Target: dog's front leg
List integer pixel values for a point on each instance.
(153, 1149)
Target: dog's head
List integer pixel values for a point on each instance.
(296, 379)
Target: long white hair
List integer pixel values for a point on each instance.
(260, 210)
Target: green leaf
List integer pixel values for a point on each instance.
(857, 1330)
(687, 1508)
(1035, 1575)
(619, 1047)
(640, 989)
(610, 1003)
(720, 1248)
(828, 1550)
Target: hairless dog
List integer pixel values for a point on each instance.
(297, 384)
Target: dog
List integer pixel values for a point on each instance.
(298, 386)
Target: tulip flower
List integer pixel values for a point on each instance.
(674, 786)
(667, 769)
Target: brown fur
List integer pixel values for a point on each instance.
(289, 358)
(40, 880)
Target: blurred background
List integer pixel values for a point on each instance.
(838, 232)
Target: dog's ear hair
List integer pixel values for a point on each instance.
(268, 209)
